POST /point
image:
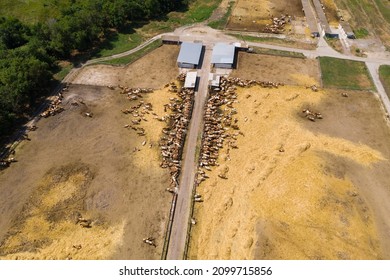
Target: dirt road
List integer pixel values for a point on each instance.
(180, 223)
(374, 68)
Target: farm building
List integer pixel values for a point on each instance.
(190, 81)
(171, 39)
(310, 18)
(346, 28)
(189, 55)
(223, 55)
(327, 31)
(214, 80)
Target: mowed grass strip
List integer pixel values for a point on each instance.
(384, 8)
(345, 74)
(259, 50)
(274, 41)
(384, 74)
(134, 56)
(221, 23)
(119, 42)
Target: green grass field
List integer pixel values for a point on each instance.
(345, 74)
(31, 11)
(119, 42)
(384, 73)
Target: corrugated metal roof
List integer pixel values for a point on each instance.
(223, 53)
(190, 80)
(190, 53)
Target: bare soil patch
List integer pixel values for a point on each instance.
(293, 71)
(253, 15)
(330, 10)
(150, 71)
(90, 167)
(296, 189)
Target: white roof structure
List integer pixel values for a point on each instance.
(214, 80)
(223, 53)
(190, 53)
(190, 80)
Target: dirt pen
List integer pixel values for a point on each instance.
(152, 71)
(296, 71)
(77, 168)
(254, 15)
(297, 189)
(291, 184)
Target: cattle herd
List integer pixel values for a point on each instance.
(278, 24)
(55, 105)
(220, 125)
(172, 141)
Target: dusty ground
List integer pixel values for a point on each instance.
(93, 167)
(149, 71)
(298, 189)
(253, 15)
(296, 71)
(331, 12)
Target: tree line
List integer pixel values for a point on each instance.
(29, 52)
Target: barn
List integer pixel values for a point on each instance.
(189, 55)
(223, 55)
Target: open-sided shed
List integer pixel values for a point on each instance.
(223, 55)
(189, 55)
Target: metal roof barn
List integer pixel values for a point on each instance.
(223, 55)
(189, 55)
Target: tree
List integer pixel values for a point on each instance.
(13, 33)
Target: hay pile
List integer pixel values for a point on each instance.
(48, 228)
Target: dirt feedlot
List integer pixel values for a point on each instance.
(94, 168)
(296, 189)
(149, 72)
(253, 15)
(296, 71)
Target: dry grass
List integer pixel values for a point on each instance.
(253, 15)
